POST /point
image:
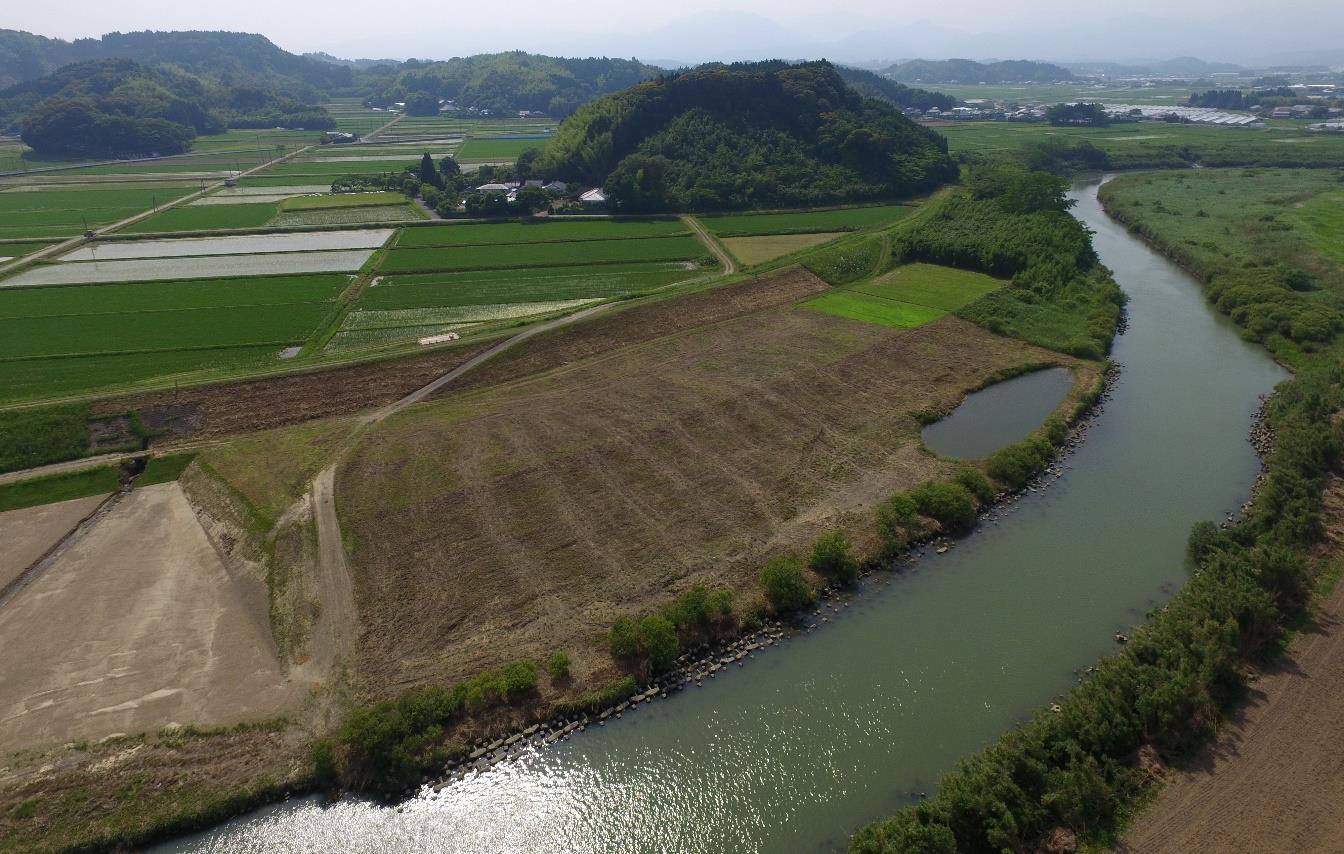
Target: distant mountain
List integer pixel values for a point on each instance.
(229, 59)
(746, 135)
(968, 71)
(116, 107)
(871, 85)
(508, 82)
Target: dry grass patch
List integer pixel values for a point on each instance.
(767, 247)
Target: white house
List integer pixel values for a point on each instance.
(594, 197)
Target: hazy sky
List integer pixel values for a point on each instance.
(874, 29)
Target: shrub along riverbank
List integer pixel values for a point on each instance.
(1086, 764)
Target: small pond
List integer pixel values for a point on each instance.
(999, 415)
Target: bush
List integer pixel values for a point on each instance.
(951, 504)
(833, 558)
(1205, 539)
(518, 678)
(976, 483)
(699, 609)
(1014, 465)
(785, 587)
(894, 518)
(650, 642)
(558, 665)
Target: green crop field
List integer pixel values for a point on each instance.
(205, 217)
(496, 149)
(805, 222)
(542, 231)
(1141, 144)
(486, 287)
(51, 212)
(42, 379)
(134, 297)
(907, 297)
(542, 254)
(69, 339)
(177, 329)
(15, 250)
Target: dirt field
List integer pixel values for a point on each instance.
(26, 534)
(1274, 781)
(525, 518)
(136, 626)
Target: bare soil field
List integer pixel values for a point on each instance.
(27, 534)
(644, 322)
(248, 406)
(1274, 781)
(528, 517)
(135, 626)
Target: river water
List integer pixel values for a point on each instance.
(842, 725)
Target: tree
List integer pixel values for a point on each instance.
(523, 168)
(1082, 113)
(785, 586)
(421, 104)
(487, 205)
(428, 173)
(532, 200)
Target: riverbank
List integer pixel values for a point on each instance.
(1162, 697)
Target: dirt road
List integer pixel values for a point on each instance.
(1275, 779)
(729, 265)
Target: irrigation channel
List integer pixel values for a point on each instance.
(842, 725)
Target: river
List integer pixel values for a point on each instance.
(841, 726)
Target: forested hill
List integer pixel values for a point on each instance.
(969, 71)
(746, 135)
(507, 82)
(872, 85)
(230, 59)
(116, 107)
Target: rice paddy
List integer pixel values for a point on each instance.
(473, 257)
(193, 267)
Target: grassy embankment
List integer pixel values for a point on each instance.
(1086, 766)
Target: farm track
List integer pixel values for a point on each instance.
(729, 265)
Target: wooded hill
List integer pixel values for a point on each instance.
(969, 71)
(764, 134)
(872, 85)
(508, 82)
(229, 59)
(116, 107)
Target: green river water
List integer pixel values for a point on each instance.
(838, 727)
